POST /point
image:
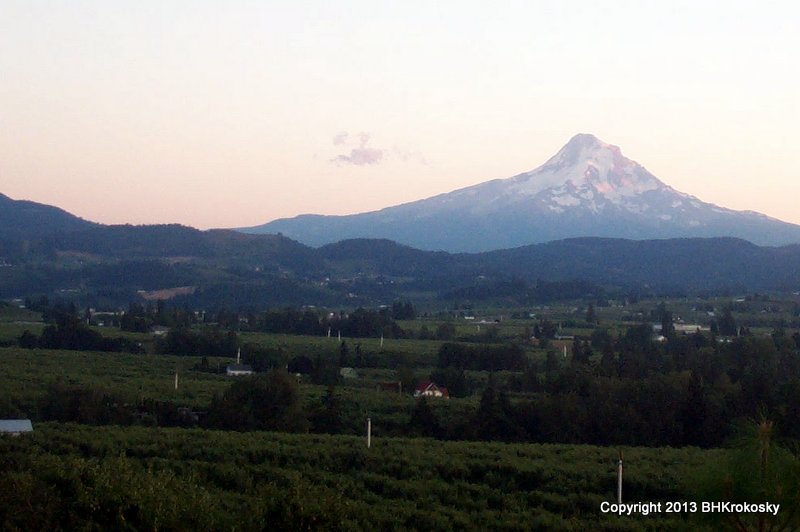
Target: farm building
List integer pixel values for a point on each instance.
(15, 427)
(431, 389)
(237, 370)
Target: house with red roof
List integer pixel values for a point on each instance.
(431, 389)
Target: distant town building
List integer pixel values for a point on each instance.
(684, 328)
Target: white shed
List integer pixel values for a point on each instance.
(15, 427)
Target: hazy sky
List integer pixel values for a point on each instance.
(222, 114)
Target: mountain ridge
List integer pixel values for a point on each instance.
(29, 219)
(111, 265)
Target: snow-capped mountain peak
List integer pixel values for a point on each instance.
(588, 188)
(588, 163)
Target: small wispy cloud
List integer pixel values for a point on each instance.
(359, 155)
(340, 138)
(359, 152)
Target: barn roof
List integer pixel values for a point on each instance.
(15, 425)
(239, 367)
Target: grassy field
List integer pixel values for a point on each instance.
(14, 321)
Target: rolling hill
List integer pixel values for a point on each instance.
(112, 265)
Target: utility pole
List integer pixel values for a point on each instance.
(619, 479)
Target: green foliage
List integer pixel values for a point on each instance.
(487, 358)
(268, 401)
(403, 310)
(758, 471)
(360, 323)
(327, 416)
(108, 494)
(79, 477)
(454, 379)
(494, 419)
(68, 332)
(64, 402)
(28, 374)
(727, 325)
(208, 342)
(445, 331)
(423, 422)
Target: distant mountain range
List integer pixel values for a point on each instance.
(108, 266)
(587, 189)
(47, 251)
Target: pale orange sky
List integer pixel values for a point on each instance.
(233, 114)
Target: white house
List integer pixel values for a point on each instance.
(431, 389)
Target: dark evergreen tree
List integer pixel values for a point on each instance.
(454, 379)
(495, 417)
(327, 418)
(693, 413)
(403, 310)
(423, 422)
(591, 317)
(580, 352)
(267, 401)
(301, 364)
(344, 354)
(325, 372)
(667, 326)
(608, 365)
(727, 323)
(407, 379)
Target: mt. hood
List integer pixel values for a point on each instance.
(588, 188)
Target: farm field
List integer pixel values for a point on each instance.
(201, 478)
(116, 445)
(26, 374)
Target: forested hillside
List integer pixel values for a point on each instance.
(112, 265)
